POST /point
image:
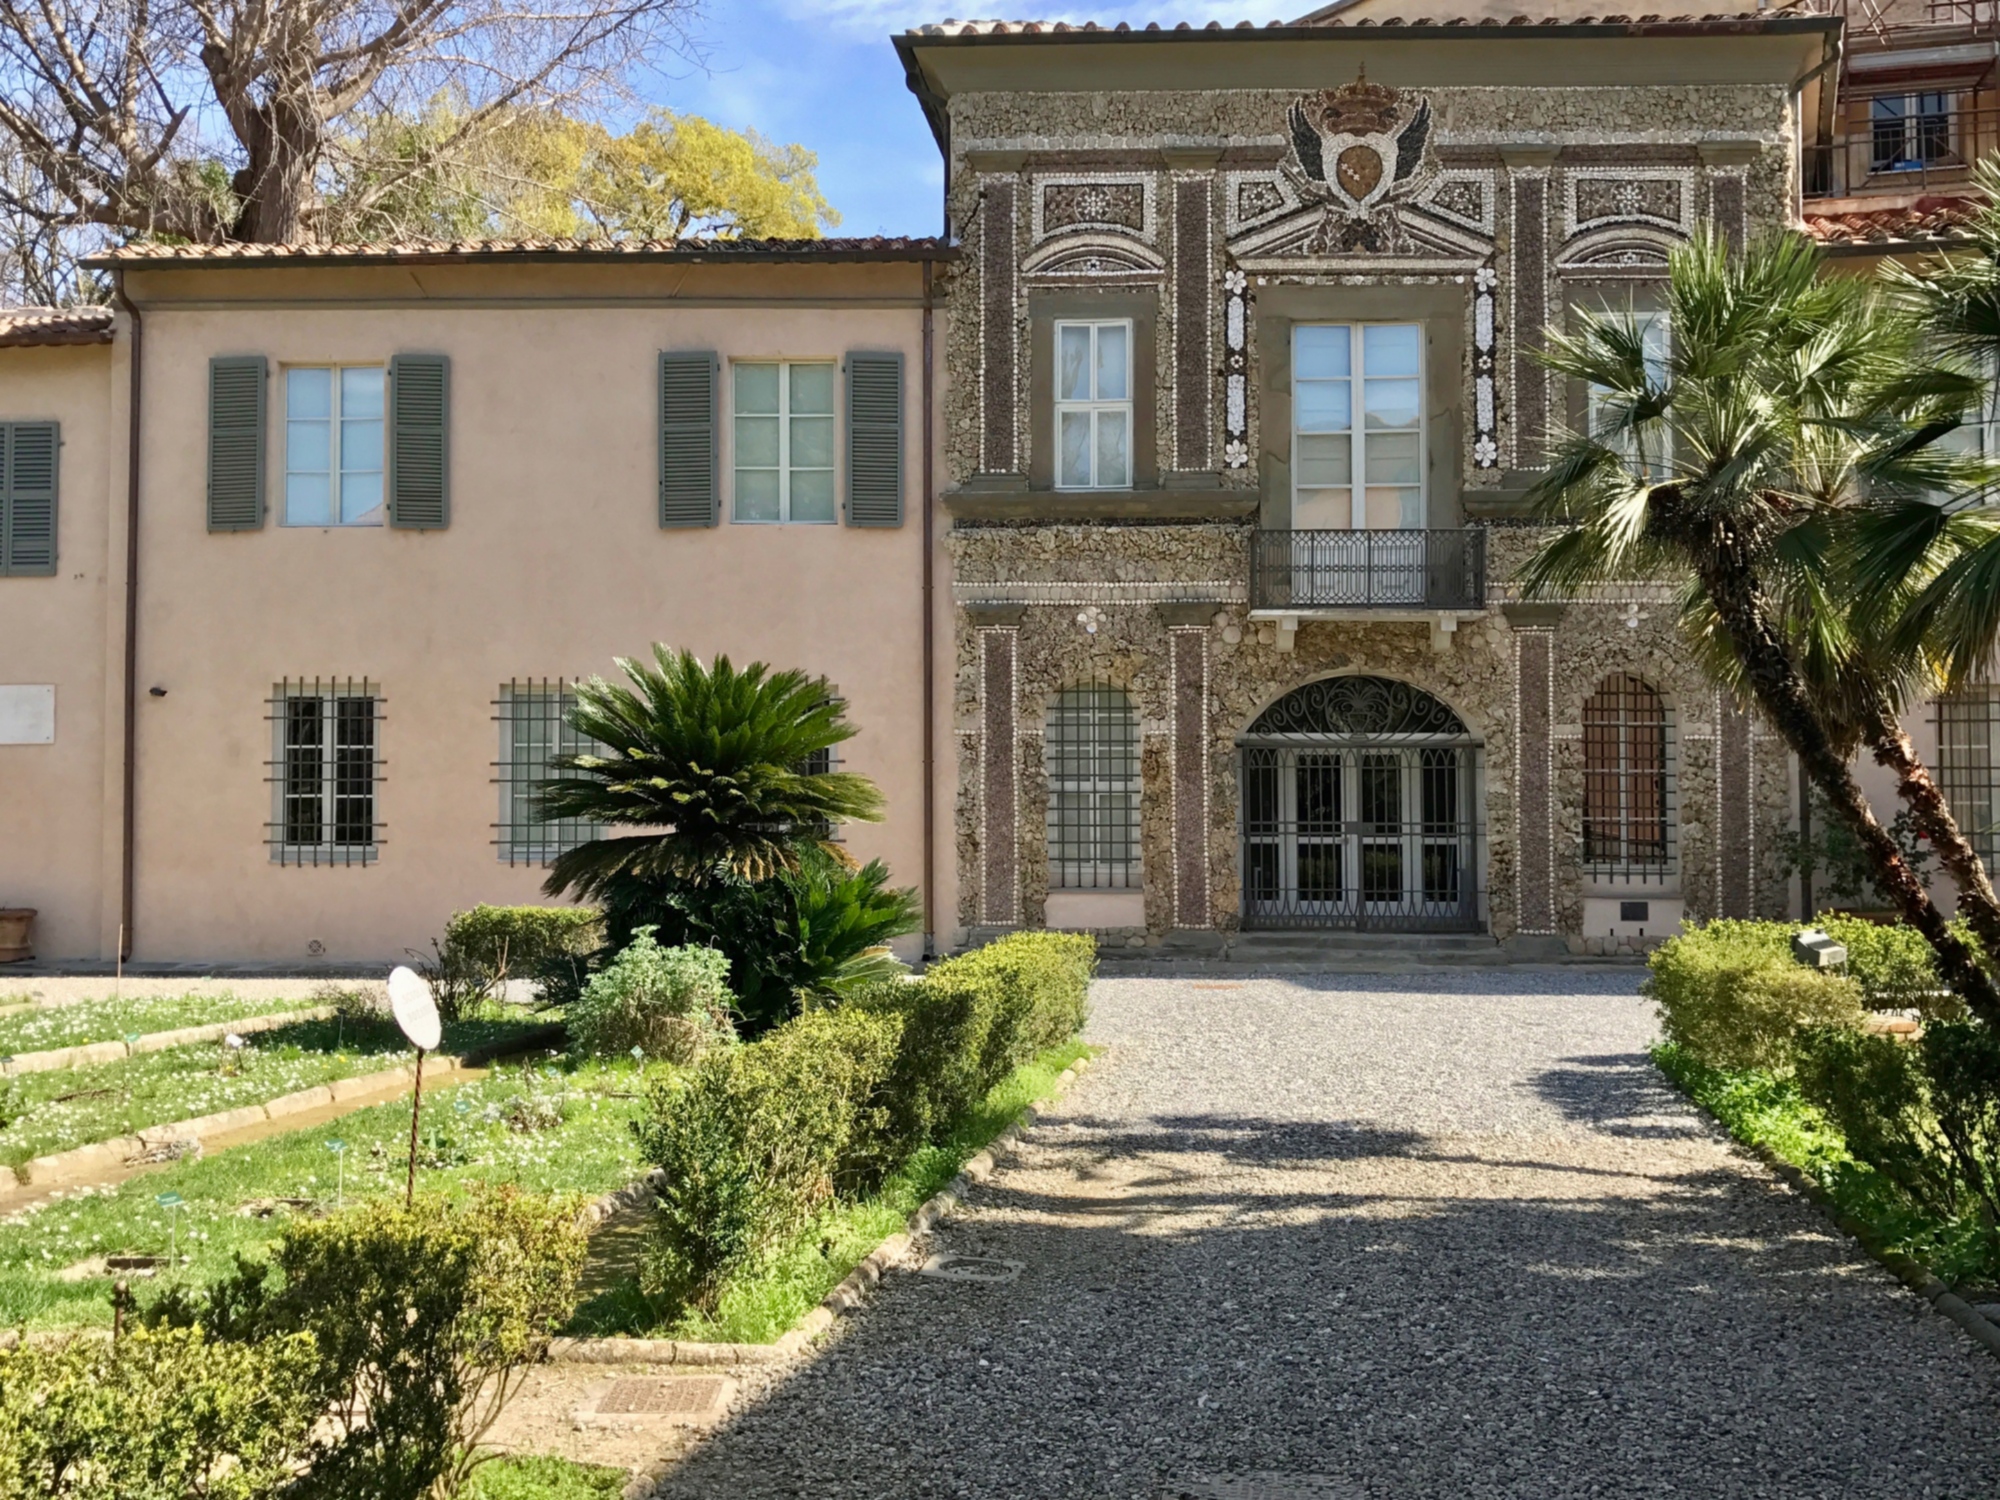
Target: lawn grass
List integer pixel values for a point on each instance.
(42, 1113)
(1767, 1110)
(758, 1309)
(108, 1020)
(466, 1140)
(537, 1478)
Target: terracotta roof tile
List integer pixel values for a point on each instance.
(1927, 221)
(870, 247)
(1731, 21)
(45, 327)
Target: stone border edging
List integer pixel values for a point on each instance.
(89, 1054)
(1916, 1277)
(845, 1298)
(81, 1161)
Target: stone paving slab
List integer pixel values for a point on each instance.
(1441, 1235)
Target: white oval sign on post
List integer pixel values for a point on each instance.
(411, 1004)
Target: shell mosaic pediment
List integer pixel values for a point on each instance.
(1095, 203)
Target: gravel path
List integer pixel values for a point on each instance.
(1399, 1236)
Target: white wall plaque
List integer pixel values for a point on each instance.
(27, 714)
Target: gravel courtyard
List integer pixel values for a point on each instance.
(1383, 1236)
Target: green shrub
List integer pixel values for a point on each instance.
(424, 1321)
(1895, 967)
(1962, 1066)
(940, 1070)
(754, 1140)
(160, 1414)
(1732, 995)
(1873, 1089)
(489, 945)
(673, 1002)
(1043, 983)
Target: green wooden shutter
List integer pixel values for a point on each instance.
(419, 441)
(690, 481)
(875, 440)
(28, 497)
(236, 442)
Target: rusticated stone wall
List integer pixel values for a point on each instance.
(1089, 603)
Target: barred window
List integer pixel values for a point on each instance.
(534, 730)
(1093, 763)
(1968, 729)
(1627, 781)
(324, 771)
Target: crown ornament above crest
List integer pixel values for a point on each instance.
(1361, 148)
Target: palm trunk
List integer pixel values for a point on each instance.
(1767, 668)
(1932, 815)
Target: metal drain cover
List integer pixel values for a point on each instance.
(1267, 1487)
(659, 1397)
(971, 1268)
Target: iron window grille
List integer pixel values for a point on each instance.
(1093, 765)
(1360, 811)
(535, 727)
(325, 770)
(1968, 725)
(823, 763)
(1628, 783)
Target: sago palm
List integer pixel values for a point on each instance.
(1785, 397)
(699, 775)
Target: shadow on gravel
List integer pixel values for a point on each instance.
(1380, 1310)
(1621, 1094)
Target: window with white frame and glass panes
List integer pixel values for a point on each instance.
(1627, 782)
(783, 414)
(1094, 406)
(333, 445)
(1656, 347)
(1357, 427)
(535, 729)
(1092, 746)
(325, 771)
(1909, 132)
(1968, 722)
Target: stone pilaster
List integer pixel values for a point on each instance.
(999, 332)
(1735, 827)
(1191, 779)
(1534, 767)
(999, 778)
(1194, 362)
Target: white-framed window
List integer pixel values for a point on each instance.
(1909, 132)
(333, 445)
(1357, 426)
(324, 771)
(1094, 405)
(534, 730)
(1657, 346)
(783, 413)
(1093, 763)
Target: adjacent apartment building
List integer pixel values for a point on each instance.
(1159, 521)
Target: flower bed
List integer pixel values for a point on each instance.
(49, 1027)
(233, 1202)
(43, 1113)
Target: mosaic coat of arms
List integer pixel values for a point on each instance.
(1361, 150)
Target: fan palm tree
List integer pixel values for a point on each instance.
(1785, 398)
(699, 774)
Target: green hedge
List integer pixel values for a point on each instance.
(1733, 996)
(756, 1139)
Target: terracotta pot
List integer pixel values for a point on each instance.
(17, 925)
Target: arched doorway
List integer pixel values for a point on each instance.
(1360, 811)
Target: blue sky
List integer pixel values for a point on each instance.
(823, 73)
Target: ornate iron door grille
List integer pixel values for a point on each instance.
(1360, 801)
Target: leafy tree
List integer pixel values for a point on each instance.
(212, 120)
(1786, 401)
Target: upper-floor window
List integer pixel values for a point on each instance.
(1094, 405)
(784, 440)
(1357, 426)
(1908, 132)
(1656, 348)
(333, 445)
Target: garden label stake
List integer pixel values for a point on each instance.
(171, 1202)
(339, 1149)
(416, 1012)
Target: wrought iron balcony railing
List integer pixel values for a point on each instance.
(1417, 570)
